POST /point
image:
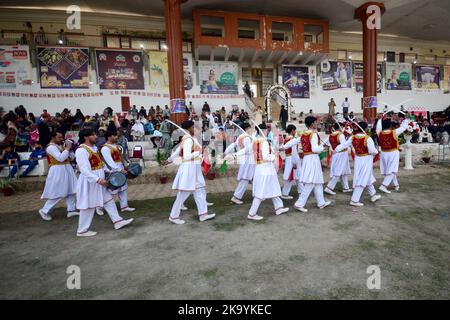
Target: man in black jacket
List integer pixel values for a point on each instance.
(283, 117)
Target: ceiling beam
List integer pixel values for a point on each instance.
(241, 55)
(295, 58)
(267, 60)
(254, 57)
(309, 58)
(227, 54)
(283, 56)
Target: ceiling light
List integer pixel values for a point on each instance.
(164, 46)
(60, 41)
(142, 46)
(300, 53)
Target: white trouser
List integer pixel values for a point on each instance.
(277, 204)
(200, 201)
(306, 191)
(299, 186)
(286, 187)
(86, 216)
(334, 180)
(240, 189)
(123, 199)
(390, 178)
(357, 192)
(70, 200)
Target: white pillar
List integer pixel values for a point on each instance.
(408, 153)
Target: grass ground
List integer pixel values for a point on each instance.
(323, 254)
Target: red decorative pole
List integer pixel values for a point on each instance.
(370, 15)
(175, 59)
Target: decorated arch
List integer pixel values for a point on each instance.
(268, 99)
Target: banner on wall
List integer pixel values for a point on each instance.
(446, 81)
(398, 76)
(120, 69)
(312, 77)
(358, 68)
(63, 67)
(296, 79)
(159, 70)
(336, 75)
(188, 71)
(428, 77)
(15, 67)
(218, 77)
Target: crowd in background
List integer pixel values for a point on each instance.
(22, 131)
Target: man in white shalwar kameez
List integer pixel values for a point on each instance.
(340, 163)
(61, 179)
(113, 158)
(363, 170)
(311, 175)
(390, 154)
(291, 164)
(92, 189)
(265, 180)
(189, 179)
(246, 162)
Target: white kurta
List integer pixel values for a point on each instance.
(90, 194)
(189, 176)
(115, 166)
(311, 168)
(340, 163)
(363, 170)
(246, 161)
(389, 161)
(61, 179)
(289, 162)
(265, 180)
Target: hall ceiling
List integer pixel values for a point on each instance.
(418, 19)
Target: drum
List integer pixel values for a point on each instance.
(133, 170)
(116, 180)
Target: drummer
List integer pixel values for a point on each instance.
(114, 163)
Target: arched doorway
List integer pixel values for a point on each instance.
(281, 96)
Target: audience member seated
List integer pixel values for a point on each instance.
(37, 154)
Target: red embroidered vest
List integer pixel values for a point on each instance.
(360, 145)
(388, 141)
(257, 150)
(94, 158)
(115, 153)
(288, 151)
(52, 161)
(305, 140)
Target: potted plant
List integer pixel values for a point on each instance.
(426, 155)
(161, 158)
(6, 187)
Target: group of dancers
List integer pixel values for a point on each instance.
(90, 190)
(255, 156)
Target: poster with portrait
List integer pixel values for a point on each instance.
(188, 71)
(63, 67)
(358, 72)
(15, 67)
(336, 75)
(446, 82)
(159, 70)
(398, 76)
(296, 79)
(120, 69)
(218, 77)
(428, 77)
